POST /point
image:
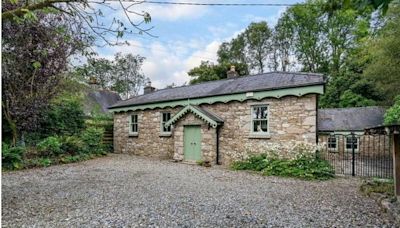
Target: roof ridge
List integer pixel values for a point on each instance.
(374, 106)
(226, 79)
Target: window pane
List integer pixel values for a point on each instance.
(256, 125)
(349, 143)
(263, 112)
(264, 125)
(165, 117)
(260, 112)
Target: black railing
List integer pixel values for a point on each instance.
(358, 155)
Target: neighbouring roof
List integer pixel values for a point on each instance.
(103, 98)
(350, 119)
(252, 83)
(211, 118)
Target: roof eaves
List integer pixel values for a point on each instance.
(244, 91)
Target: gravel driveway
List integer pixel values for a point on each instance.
(130, 191)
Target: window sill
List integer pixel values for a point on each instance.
(259, 136)
(165, 134)
(133, 134)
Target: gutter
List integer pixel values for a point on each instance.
(316, 121)
(217, 144)
(110, 108)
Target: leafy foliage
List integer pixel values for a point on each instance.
(92, 137)
(65, 116)
(50, 146)
(392, 115)
(34, 55)
(123, 75)
(12, 157)
(210, 72)
(384, 50)
(73, 145)
(251, 47)
(303, 167)
(88, 17)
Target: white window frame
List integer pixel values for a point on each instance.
(349, 137)
(267, 133)
(332, 149)
(162, 132)
(131, 132)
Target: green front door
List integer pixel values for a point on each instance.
(192, 143)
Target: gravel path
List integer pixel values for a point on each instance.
(130, 191)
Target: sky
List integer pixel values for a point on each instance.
(186, 35)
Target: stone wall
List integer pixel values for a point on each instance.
(291, 119)
(368, 145)
(149, 141)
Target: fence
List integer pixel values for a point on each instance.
(358, 155)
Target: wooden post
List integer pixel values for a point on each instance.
(396, 164)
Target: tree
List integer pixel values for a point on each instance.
(384, 50)
(321, 41)
(34, 55)
(392, 115)
(122, 75)
(233, 51)
(252, 47)
(127, 75)
(208, 71)
(101, 69)
(282, 44)
(87, 14)
(359, 5)
(258, 45)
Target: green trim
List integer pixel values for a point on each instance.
(196, 112)
(299, 91)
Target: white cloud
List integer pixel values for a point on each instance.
(168, 63)
(271, 19)
(168, 12)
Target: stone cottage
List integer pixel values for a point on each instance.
(216, 121)
(335, 126)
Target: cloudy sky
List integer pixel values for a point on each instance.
(186, 35)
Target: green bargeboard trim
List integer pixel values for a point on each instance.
(298, 91)
(196, 112)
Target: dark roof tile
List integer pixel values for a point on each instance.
(347, 119)
(266, 81)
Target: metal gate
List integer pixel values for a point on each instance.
(358, 155)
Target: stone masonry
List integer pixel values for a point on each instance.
(291, 119)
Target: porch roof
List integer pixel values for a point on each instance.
(209, 117)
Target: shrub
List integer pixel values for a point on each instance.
(377, 186)
(38, 162)
(72, 144)
(50, 146)
(392, 115)
(92, 137)
(65, 116)
(304, 167)
(12, 157)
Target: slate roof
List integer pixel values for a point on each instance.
(210, 114)
(259, 82)
(104, 98)
(347, 119)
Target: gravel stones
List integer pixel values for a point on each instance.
(130, 191)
